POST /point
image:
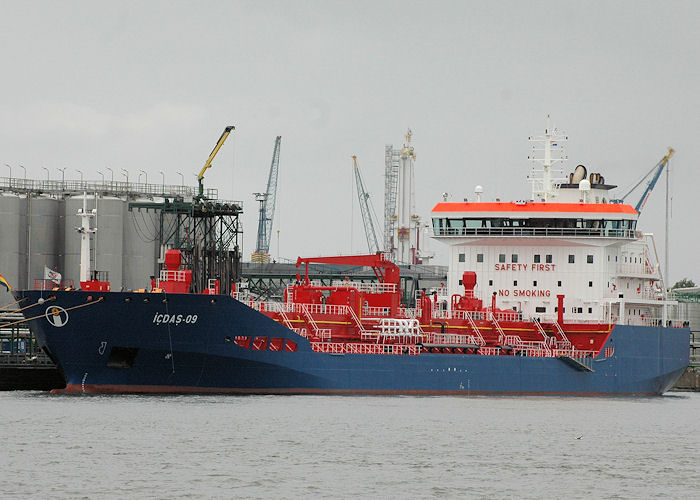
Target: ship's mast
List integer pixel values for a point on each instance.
(547, 150)
(85, 233)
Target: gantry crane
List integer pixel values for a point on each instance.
(216, 149)
(267, 208)
(367, 214)
(656, 170)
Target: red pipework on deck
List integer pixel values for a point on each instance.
(386, 272)
(468, 301)
(560, 309)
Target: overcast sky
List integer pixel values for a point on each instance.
(151, 85)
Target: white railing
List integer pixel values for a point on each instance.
(537, 231)
(565, 342)
(573, 353)
(635, 269)
(358, 348)
(407, 312)
(449, 338)
(370, 287)
(501, 333)
(489, 351)
(391, 328)
(166, 275)
(373, 311)
(547, 340)
(357, 321)
(513, 340)
(479, 338)
(283, 315)
(320, 308)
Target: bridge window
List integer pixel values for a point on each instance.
(501, 257)
(548, 258)
(536, 259)
(558, 283)
(590, 283)
(589, 259)
(480, 257)
(461, 257)
(540, 309)
(514, 257)
(534, 283)
(490, 282)
(571, 259)
(515, 283)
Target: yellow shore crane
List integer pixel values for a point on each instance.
(216, 149)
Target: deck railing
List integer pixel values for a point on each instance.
(537, 231)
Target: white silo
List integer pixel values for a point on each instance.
(11, 206)
(109, 239)
(43, 234)
(141, 233)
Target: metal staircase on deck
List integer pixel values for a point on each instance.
(324, 333)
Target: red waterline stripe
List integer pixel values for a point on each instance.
(156, 389)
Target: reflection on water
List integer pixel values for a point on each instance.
(343, 447)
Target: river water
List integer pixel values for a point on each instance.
(56, 446)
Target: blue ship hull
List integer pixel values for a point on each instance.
(184, 345)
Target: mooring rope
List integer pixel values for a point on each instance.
(30, 306)
(42, 315)
(13, 303)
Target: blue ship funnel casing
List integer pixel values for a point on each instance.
(130, 342)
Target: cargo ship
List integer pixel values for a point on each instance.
(558, 294)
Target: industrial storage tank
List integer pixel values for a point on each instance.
(11, 206)
(43, 233)
(141, 235)
(109, 239)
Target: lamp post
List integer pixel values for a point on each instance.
(162, 177)
(125, 173)
(81, 174)
(8, 166)
(25, 173)
(182, 178)
(47, 173)
(145, 174)
(111, 172)
(63, 175)
(103, 177)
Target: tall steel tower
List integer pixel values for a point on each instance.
(400, 219)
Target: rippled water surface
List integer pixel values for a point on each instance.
(348, 447)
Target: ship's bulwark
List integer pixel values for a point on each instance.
(130, 342)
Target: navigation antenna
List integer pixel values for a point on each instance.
(547, 150)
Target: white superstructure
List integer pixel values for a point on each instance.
(568, 240)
